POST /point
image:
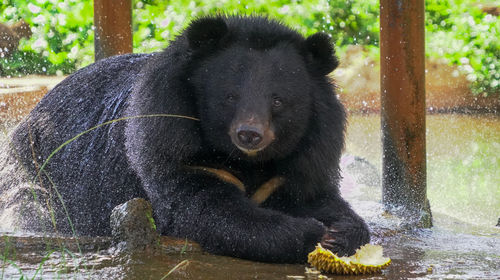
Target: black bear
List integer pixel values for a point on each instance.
(246, 163)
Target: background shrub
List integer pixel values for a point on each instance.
(62, 40)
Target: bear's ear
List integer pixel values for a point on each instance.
(206, 32)
(320, 54)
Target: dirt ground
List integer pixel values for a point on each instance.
(447, 90)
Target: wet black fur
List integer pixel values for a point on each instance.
(212, 59)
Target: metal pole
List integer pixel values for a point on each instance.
(402, 74)
(113, 27)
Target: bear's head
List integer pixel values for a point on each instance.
(256, 84)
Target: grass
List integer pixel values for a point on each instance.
(35, 197)
(7, 258)
(40, 169)
(40, 266)
(183, 264)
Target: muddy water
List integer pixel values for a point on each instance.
(463, 160)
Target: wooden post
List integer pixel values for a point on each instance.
(402, 71)
(113, 27)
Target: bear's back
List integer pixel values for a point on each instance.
(89, 97)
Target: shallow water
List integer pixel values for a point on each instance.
(463, 159)
(441, 252)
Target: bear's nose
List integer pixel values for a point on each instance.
(249, 136)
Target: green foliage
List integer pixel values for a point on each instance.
(455, 29)
(63, 36)
(151, 220)
(354, 22)
(23, 62)
(466, 36)
(155, 21)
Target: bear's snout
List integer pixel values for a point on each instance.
(251, 137)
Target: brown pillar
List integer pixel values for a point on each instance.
(402, 74)
(113, 27)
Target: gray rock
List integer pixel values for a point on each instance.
(133, 228)
(363, 172)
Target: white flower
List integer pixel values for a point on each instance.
(10, 11)
(40, 44)
(464, 60)
(63, 6)
(61, 18)
(74, 52)
(34, 9)
(40, 19)
(70, 38)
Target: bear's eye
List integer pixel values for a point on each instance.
(277, 102)
(230, 98)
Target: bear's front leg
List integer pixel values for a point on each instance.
(223, 221)
(346, 230)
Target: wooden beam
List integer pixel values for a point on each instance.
(402, 69)
(113, 27)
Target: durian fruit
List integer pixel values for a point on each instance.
(367, 260)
